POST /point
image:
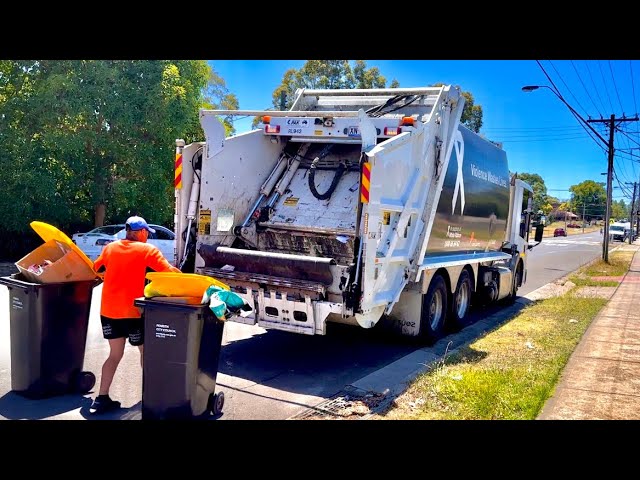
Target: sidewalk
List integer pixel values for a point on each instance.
(601, 381)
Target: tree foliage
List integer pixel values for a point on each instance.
(588, 196)
(84, 142)
(471, 113)
(540, 197)
(620, 210)
(326, 74)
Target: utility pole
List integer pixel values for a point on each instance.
(583, 222)
(612, 127)
(638, 216)
(633, 204)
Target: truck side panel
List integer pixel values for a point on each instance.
(474, 204)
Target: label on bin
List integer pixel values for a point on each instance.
(164, 331)
(16, 303)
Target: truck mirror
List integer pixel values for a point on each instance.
(539, 232)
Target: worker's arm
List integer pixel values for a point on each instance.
(100, 261)
(157, 262)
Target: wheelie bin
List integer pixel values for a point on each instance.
(182, 343)
(48, 322)
(48, 330)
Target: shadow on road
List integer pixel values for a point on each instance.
(294, 362)
(16, 407)
(133, 412)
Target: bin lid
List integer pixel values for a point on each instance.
(178, 284)
(49, 232)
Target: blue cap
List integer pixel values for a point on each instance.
(139, 223)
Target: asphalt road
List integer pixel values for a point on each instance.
(267, 375)
(549, 260)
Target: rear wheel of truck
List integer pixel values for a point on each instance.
(461, 301)
(517, 280)
(434, 310)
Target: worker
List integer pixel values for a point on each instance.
(125, 264)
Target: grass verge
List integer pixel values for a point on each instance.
(507, 374)
(619, 263)
(512, 371)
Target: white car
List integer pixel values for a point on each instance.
(92, 242)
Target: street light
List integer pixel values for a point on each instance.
(609, 145)
(531, 88)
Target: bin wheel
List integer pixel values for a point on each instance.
(84, 382)
(216, 402)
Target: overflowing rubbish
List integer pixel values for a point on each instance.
(225, 304)
(38, 268)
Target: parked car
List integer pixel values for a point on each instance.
(559, 232)
(92, 242)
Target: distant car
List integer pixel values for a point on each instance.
(92, 242)
(573, 225)
(559, 232)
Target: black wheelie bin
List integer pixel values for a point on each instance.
(49, 317)
(182, 344)
(48, 330)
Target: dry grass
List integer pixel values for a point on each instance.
(618, 265)
(509, 373)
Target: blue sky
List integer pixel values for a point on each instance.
(539, 133)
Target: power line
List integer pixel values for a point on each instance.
(544, 140)
(526, 129)
(594, 85)
(616, 87)
(568, 89)
(605, 86)
(557, 92)
(585, 88)
(633, 87)
(625, 134)
(539, 135)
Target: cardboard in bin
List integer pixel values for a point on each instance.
(70, 264)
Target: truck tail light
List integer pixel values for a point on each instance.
(392, 131)
(272, 129)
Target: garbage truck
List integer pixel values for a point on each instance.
(355, 206)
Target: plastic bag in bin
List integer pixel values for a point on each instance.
(226, 304)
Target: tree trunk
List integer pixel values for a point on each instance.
(99, 214)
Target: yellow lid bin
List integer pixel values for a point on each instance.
(174, 284)
(66, 262)
(49, 232)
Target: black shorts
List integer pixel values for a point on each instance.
(132, 328)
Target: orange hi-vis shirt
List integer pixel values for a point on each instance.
(126, 263)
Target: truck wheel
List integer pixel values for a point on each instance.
(517, 279)
(434, 310)
(461, 301)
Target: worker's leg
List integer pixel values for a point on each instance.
(136, 336)
(116, 351)
(115, 332)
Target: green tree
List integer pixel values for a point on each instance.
(588, 196)
(93, 141)
(536, 182)
(471, 113)
(326, 74)
(619, 210)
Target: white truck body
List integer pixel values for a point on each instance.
(346, 208)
